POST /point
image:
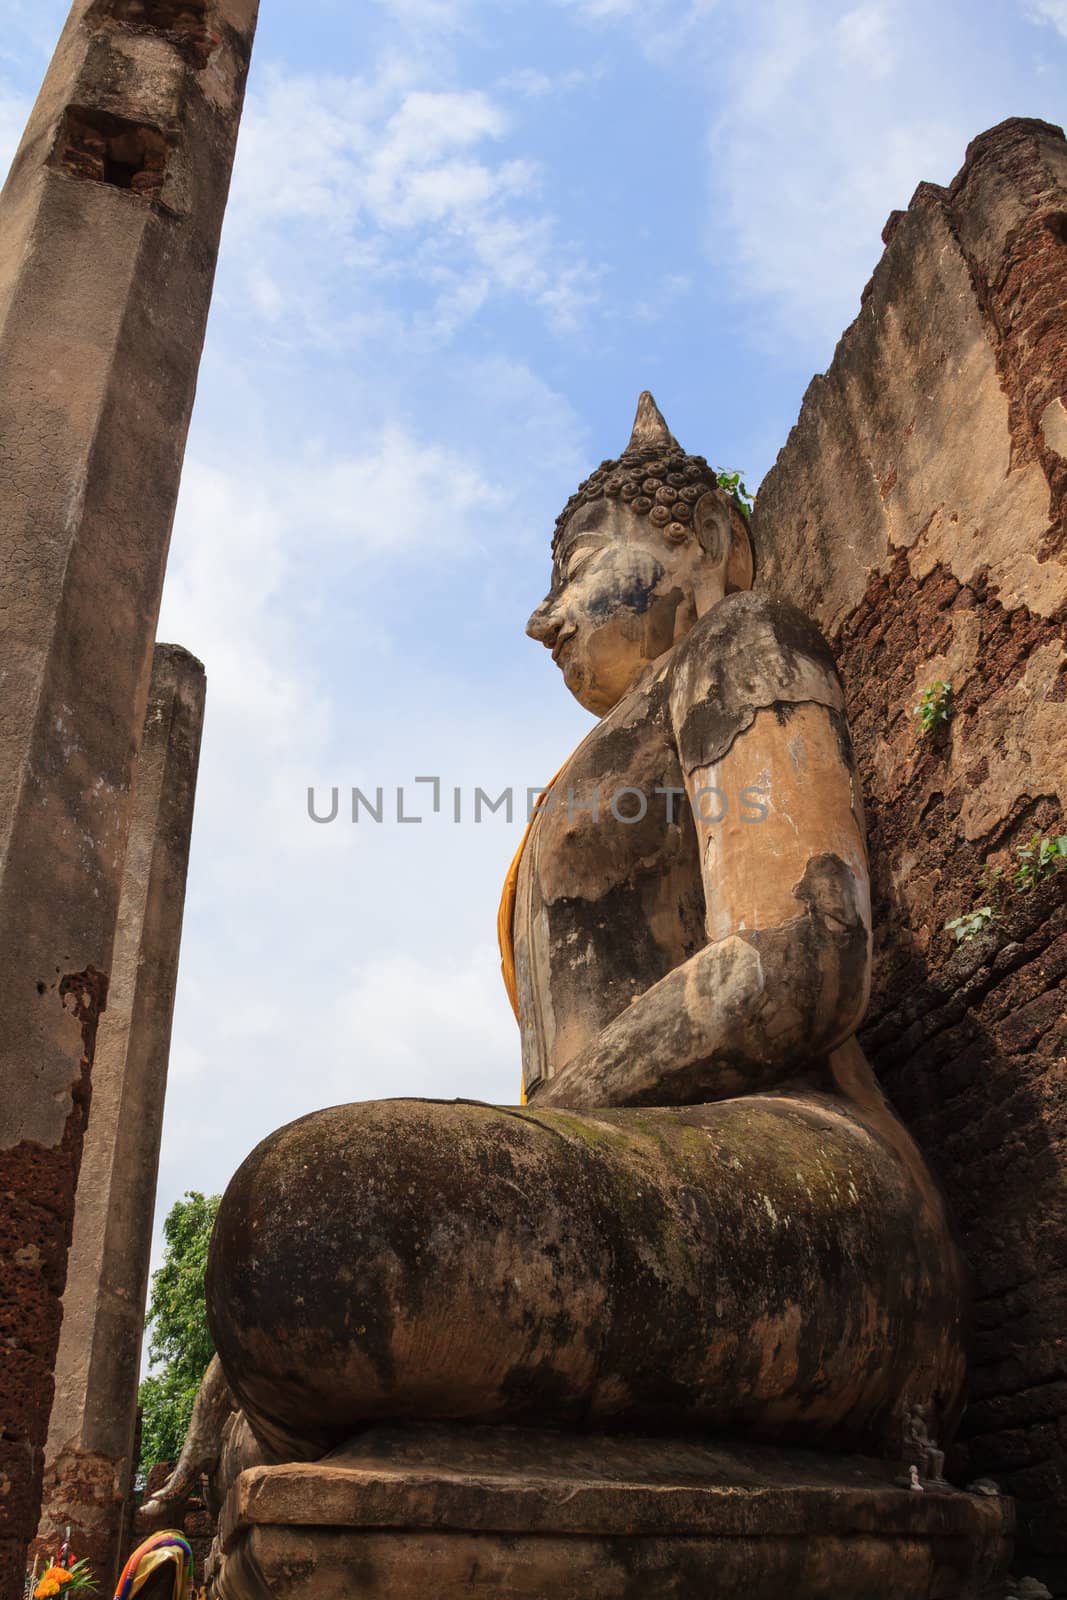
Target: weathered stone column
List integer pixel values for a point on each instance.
(109, 228)
(88, 1457)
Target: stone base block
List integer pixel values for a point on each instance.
(512, 1514)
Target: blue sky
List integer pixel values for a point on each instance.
(463, 235)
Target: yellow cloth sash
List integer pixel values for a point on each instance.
(151, 1565)
(168, 1548)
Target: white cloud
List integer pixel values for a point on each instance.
(664, 27)
(14, 110)
(419, 1025)
(418, 16)
(864, 38)
(246, 531)
(598, 10)
(823, 116)
(530, 84)
(32, 23)
(1052, 12)
(397, 185)
(820, 132)
(672, 287)
(400, 495)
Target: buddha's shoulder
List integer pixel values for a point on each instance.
(748, 652)
(751, 625)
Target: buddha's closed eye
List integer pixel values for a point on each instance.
(579, 560)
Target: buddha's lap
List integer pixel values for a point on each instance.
(759, 1259)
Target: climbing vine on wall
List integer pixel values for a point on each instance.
(733, 483)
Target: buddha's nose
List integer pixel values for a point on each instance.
(544, 624)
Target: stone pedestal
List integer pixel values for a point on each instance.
(455, 1513)
(88, 1457)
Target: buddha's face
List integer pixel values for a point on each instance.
(623, 592)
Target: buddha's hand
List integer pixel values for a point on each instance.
(744, 1014)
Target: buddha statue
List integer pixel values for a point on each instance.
(705, 1218)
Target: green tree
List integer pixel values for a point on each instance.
(180, 1344)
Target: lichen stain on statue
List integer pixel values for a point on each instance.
(706, 1217)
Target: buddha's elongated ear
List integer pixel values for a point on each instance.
(741, 565)
(723, 533)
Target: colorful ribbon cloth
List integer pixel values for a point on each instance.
(162, 1549)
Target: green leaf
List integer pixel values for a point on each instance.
(180, 1343)
(733, 484)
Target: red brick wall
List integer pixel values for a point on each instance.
(917, 511)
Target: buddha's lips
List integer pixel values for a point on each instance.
(561, 644)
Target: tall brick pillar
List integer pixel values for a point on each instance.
(88, 1457)
(109, 229)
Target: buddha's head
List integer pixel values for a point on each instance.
(647, 545)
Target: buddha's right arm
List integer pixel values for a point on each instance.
(784, 977)
(744, 1014)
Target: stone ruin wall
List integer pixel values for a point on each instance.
(917, 511)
